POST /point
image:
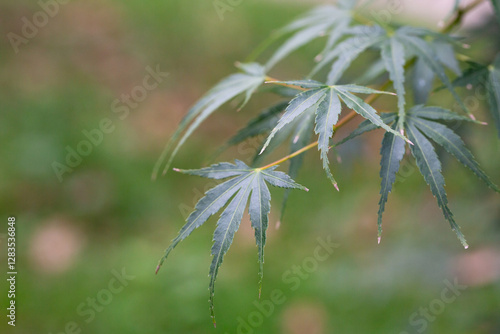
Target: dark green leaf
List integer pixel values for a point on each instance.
(430, 167)
(448, 139)
(439, 113)
(393, 54)
(427, 53)
(392, 152)
(365, 110)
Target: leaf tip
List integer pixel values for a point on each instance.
(157, 269)
(176, 170)
(336, 186)
(472, 117)
(466, 46)
(318, 58)
(306, 189)
(379, 239)
(296, 139)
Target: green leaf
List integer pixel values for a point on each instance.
(392, 152)
(427, 53)
(327, 116)
(439, 113)
(448, 139)
(493, 88)
(296, 41)
(297, 106)
(430, 167)
(259, 208)
(324, 101)
(393, 54)
(223, 92)
(348, 50)
(246, 183)
(365, 110)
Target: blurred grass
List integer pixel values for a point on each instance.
(65, 80)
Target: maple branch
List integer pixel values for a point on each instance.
(461, 12)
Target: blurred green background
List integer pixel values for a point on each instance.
(107, 216)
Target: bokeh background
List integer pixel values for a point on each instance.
(107, 215)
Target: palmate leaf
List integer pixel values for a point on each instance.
(325, 102)
(246, 185)
(421, 125)
(430, 167)
(395, 47)
(227, 89)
